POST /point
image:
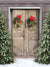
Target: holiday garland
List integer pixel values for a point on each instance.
(31, 21)
(17, 21)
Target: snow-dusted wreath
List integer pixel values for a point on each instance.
(17, 21)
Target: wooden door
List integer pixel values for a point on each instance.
(24, 39)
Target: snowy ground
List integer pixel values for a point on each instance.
(25, 62)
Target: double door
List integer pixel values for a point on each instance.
(25, 39)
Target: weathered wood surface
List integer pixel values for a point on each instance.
(17, 34)
(25, 1)
(24, 46)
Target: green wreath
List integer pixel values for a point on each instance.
(17, 21)
(31, 21)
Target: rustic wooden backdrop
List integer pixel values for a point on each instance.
(44, 4)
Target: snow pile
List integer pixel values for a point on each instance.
(25, 62)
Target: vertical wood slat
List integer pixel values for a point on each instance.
(26, 33)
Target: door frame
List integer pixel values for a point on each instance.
(10, 13)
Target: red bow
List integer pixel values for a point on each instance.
(32, 18)
(19, 17)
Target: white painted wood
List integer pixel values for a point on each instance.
(9, 22)
(40, 21)
(24, 7)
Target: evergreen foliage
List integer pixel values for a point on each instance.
(6, 54)
(43, 51)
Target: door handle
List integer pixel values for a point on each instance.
(24, 34)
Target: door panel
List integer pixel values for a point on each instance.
(32, 34)
(24, 45)
(17, 33)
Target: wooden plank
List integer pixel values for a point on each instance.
(22, 2)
